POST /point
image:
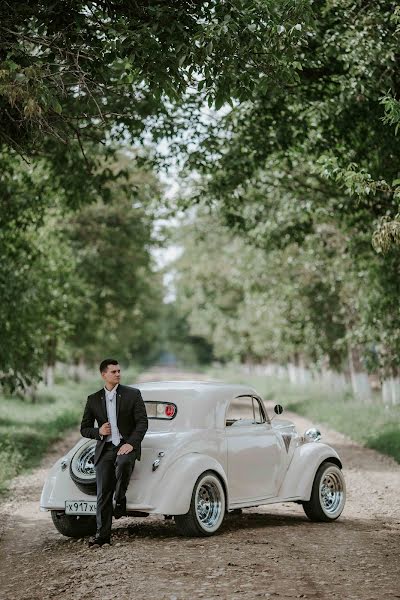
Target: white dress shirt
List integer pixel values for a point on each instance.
(111, 405)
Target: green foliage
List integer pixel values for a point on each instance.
(325, 147)
(73, 279)
(313, 302)
(386, 441)
(308, 175)
(120, 299)
(11, 464)
(304, 167)
(36, 281)
(177, 343)
(78, 74)
(78, 70)
(27, 430)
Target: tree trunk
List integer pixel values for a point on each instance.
(391, 390)
(359, 378)
(50, 363)
(49, 375)
(334, 380)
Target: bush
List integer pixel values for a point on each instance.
(11, 462)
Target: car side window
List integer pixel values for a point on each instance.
(244, 410)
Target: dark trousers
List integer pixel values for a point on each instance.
(112, 474)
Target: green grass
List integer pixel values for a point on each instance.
(28, 429)
(374, 425)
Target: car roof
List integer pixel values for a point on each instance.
(200, 403)
(211, 389)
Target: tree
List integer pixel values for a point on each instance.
(79, 70)
(328, 137)
(308, 304)
(75, 282)
(121, 294)
(315, 168)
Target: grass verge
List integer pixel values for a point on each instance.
(375, 425)
(27, 430)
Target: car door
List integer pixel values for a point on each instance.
(254, 451)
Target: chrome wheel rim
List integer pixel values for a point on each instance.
(209, 503)
(83, 462)
(332, 492)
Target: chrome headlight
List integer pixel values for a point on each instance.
(312, 435)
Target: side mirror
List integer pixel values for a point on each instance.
(278, 409)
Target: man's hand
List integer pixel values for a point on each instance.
(125, 449)
(105, 429)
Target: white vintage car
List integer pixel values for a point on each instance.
(210, 448)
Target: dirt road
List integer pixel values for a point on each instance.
(270, 552)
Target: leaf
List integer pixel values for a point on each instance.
(219, 100)
(57, 107)
(297, 65)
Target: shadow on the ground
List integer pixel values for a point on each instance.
(165, 529)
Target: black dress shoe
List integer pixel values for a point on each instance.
(120, 509)
(98, 541)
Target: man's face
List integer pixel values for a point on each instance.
(112, 375)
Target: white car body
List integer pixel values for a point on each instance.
(257, 462)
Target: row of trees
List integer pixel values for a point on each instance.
(303, 167)
(78, 81)
(307, 176)
(76, 283)
(309, 306)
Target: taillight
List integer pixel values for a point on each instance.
(170, 411)
(160, 410)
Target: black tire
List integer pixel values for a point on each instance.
(207, 508)
(81, 469)
(328, 495)
(75, 526)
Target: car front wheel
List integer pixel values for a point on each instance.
(328, 494)
(207, 508)
(75, 526)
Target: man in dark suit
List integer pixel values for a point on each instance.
(121, 419)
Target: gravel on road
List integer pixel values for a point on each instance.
(265, 552)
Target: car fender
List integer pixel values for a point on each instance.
(300, 475)
(173, 494)
(57, 488)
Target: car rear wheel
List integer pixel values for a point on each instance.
(82, 469)
(207, 508)
(328, 494)
(75, 526)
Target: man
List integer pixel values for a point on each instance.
(122, 423)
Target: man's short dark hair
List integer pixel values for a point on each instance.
(107, 361)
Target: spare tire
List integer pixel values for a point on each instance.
(82, 469)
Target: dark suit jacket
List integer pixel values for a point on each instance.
(131, 418)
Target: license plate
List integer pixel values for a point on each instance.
(80, 507)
